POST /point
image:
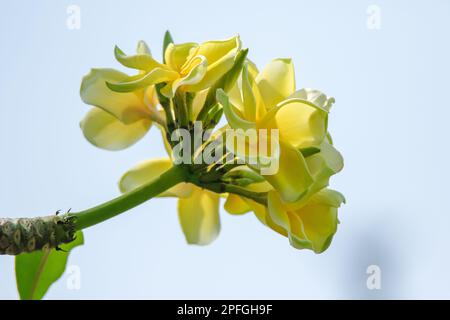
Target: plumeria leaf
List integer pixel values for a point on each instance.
(37, 271)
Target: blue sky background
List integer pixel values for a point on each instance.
(390, 122)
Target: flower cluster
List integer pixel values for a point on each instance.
(201, 83)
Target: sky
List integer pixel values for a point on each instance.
(385, 62)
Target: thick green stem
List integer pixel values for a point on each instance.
(114, 207)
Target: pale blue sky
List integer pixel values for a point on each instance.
(389, 122)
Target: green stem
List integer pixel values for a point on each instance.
(114, 207)
(260, 197)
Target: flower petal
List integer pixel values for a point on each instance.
(197, 103)
(234, 119)
(276, 82)
(312, 226)
(324, 164)
(199, 216)
(216, 50)
(236, 205)
(104, 130)
(177, 54)
(127, 107)
(148, 170)
(141, 61)
(196, 74)
(262, 213)
(140, 81)
(293, 178)
(319, 220)
(254, 108)
(220, 55)
(301, 123)
(314, 96)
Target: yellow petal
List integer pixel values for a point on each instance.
(142, 80)
(197, 70)
(235, 93)
(236, 205)
(254, 108)
(199, 216)
(262, 213)
(176, 54)
(104, 130)
(197, 103)
(127, 107)
(313, 225)
(252, 69)
(319, 219)
(220, 56)
(149, 170)
(166, 143)
(293, 178)
(277, 211)
(324, 164)
(141, 61)
(276, 82)
(301, 123)
(314, 96)
(234, 119)
(215, 50)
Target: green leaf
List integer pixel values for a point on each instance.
(37, 271)
(167, 40)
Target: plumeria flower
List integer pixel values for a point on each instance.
(185, 96)
(268, 100)
(117, 120)
(310, 222)
(125, 107)
(190, 67)
(308, 225)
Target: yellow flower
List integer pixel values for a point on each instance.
(309, 225)
(117, 120)
(198, 209)
(268, 100)
(190, 67)
(312, 211)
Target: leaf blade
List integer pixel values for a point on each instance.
(37, 271)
